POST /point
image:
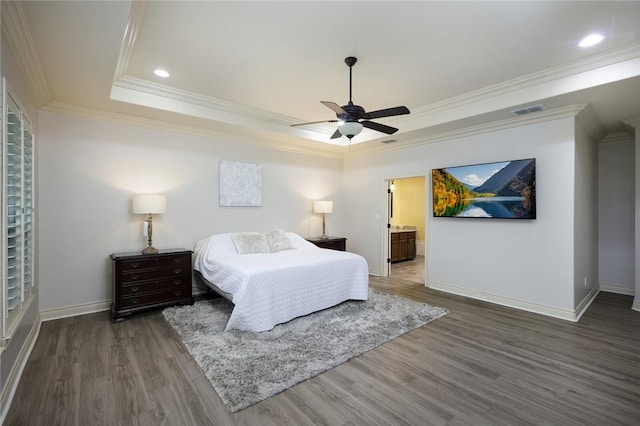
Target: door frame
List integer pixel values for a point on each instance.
(385, 224)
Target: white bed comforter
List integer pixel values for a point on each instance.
(271, 288)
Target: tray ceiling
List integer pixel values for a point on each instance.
(253, 68)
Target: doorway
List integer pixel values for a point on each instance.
(406, 228)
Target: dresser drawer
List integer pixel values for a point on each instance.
(153, 274)
(155, 298)
(156, 262)
(154, 285)
(150, 281)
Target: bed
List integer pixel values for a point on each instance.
(283, 280)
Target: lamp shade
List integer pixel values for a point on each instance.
(350, 128)
(323, 206)
(149, 203)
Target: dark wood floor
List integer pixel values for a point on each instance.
(481, 364)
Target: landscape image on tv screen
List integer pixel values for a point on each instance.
(504, 190)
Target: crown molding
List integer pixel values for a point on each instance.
(570, 111)
(631, 125)
(70, 109)
(617, 137)
(551, 82)
(633, 122)
(153, 95)
(136, 15)
(168, 92)
(534, 79)
(15, 29)
(591, 123)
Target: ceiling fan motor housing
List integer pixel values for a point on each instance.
(352, 112)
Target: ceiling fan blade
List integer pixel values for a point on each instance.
(336, 134)
(314, 122)
(379, 127)
(333, 107)
(388, 112)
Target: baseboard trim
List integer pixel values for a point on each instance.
(586, 302)
(9, 390)
(612, 288)
(636, 304)
(89, 308)
(375, 272)
(550, 311)
(72, 311)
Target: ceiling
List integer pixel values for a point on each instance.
(248, 70)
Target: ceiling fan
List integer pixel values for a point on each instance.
(352, 118)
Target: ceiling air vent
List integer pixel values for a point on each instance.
(527, 110)
(389, 141)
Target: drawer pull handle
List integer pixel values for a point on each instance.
(177, 282)
(134, 301)
(134, 288)
(178, 260)
(178, 292)
(134, 265)
(177, 271)
(135, 277)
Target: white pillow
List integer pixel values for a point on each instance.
(222, 243)
(278, 240)
(250, 242)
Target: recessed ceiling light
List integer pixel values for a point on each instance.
(591, 40)
(161, 73)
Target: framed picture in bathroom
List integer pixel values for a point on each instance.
(503, 190)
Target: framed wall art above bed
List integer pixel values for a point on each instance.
(240, 184)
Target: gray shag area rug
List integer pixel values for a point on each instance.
(246, 367)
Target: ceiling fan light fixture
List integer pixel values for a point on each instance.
(349, 128)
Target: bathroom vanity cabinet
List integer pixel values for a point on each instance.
(403, 245)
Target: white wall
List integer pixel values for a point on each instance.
(616, 201)
(585, 250)
(527, 264)
(90, 168)
(636, 300)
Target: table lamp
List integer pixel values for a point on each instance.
(323, 207)
(149, 204)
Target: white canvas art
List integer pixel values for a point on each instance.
(240, 184)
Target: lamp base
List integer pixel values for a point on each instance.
(150, 250)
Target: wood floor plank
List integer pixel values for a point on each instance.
(482, 364)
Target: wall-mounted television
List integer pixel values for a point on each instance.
(505, 190)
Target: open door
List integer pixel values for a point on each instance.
(404, 236)
(389, 216)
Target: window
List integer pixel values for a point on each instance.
(17, 214)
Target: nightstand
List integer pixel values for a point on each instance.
(333, 243)
(147, 281)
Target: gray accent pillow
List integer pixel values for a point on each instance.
(278, 240)
(250, 242)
